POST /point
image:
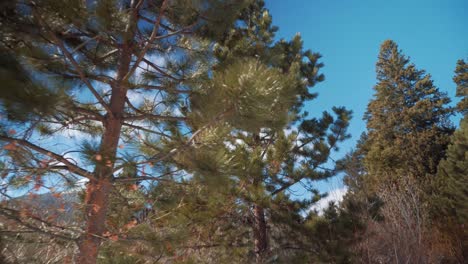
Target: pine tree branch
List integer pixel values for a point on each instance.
(158, 69)
(148, 44)
(147, 178)
(16, 216)
(146, 130)
(85, 111)
(71, 167)
(284, 187)
(75, 64)
(160, 88)
(218, 118)
(152, 116)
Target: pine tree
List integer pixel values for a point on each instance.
(389, 175)
(264, 161)
(453, 170)
(83, 67)
(407, 121)
(461, 79)
(449, 197)
(239, 181)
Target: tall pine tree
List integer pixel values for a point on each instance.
(246, 174)
(264, 161)
(449, 196)
(407, 120)
(118, 74)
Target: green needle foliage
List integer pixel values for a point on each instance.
(248, 160)
(391, 173)
(124, 76)
(449, 197)
(407, 121)
(461, 79)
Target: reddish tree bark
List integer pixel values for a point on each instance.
(99, 189)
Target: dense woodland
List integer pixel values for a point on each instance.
(173, 131)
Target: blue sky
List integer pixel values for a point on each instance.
(348, 33)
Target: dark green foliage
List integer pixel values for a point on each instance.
(452, 178)
(390, 174)
(451, 194)
(407, 121)
(333, 235)
(461, 79)
(23, 97)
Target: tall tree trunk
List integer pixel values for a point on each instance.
(260, 234)
(97, 196)
(259, 223)
(99, 189)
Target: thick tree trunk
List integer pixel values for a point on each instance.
(260, 234)
(97, 196)
(98, 190)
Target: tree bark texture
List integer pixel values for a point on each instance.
(260, 234)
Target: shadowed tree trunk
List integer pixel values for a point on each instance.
(260, 234)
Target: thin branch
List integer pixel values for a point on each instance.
(96, 115)
(75, 64)
(146, 130)
(152, 116)
(14, 215)
(146, 178)
(71, 167)
(148, 44)
(160, 88)
(158, 69)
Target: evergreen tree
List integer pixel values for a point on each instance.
(264, 161)
(449, 203)
(461, 79)
(407, 121)
(244, 174)
(389, 175)
(453, 170)
(120, 74)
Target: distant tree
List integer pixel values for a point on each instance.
(390, 173)
(407, 120)
(449, 201)
(461, 79)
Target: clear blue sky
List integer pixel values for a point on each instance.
(348, 34)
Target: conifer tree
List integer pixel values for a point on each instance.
(449, 197)
(453, 170)
(244, 175)
(461, 79)
(269, 160)
(407, 121)
(263, 162)
(119, 74)
(390, 174)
